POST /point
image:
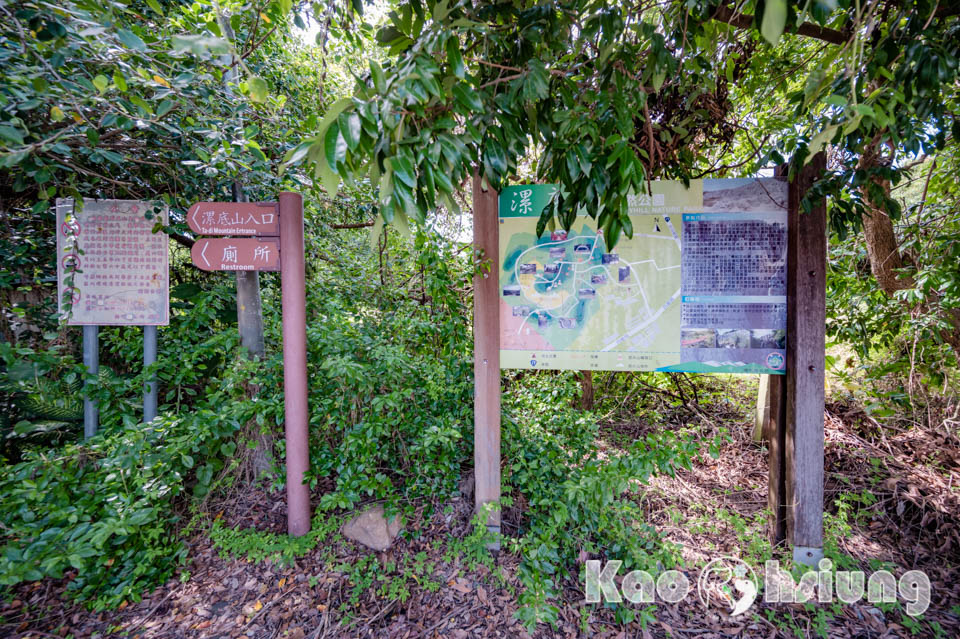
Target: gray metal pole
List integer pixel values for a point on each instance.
(92, 361)
(149, 383)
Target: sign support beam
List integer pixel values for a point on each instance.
(486, 354)
(91, 359)
(796, 411)
(150, 381)
(293, 301)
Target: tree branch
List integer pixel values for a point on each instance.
(808, 29)
(354, 225)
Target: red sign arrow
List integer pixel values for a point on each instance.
(234, 218)
(236, 254)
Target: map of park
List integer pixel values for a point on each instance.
(568, 292)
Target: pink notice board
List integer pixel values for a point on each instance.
(112, 269)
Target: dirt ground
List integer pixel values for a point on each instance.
(891, 502)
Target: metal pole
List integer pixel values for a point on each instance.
(150, 382)
(92, 363)
(293, 300)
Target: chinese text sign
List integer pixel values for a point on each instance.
(111, 268)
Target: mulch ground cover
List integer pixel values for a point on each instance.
(419, 588)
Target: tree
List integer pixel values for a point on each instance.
(604, 98)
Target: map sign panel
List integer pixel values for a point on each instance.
(700, 287)
(112, 270)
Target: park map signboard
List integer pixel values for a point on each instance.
(700, 287)
(111, 264)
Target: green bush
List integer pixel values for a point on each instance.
(106, 513)
(576, 498)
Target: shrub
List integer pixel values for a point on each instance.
(106, 513)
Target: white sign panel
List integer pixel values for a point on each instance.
(112, 270)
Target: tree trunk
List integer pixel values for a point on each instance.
(883, 249)
(586, 384)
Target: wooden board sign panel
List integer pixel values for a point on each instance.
(236, 254)
(234, 218)
(112, 269)
(700, 287)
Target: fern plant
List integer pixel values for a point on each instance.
(49, 408)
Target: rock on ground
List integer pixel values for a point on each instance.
(371, 529)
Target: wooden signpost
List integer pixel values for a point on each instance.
(796, 400)
(234, 218)
(236, 254)
(277, 244)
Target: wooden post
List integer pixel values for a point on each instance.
(796, 444)
(775, 433)
(761, 417)
(486, 353)
(295, 392)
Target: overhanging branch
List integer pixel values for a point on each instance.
(807, 29)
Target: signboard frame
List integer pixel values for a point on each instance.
(700, 287)
(70, 237)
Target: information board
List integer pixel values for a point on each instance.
(700, 287)
(111, 268)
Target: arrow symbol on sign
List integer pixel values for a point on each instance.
(203, 251)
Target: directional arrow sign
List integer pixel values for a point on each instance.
(234, 218)
(236, 254)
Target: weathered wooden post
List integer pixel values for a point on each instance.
(293, 302)
(486, 353)
(796, 442)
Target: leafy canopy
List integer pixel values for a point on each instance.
(605, 97)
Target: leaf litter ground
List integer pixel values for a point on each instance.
(891, 499)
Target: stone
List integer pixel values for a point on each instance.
(371, 529)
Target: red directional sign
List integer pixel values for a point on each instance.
(234, 218)
(236, 254)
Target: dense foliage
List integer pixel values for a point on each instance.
(386, 122)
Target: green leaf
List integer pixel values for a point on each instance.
(328, 177)
(258, 89)
(334, 146)
(537, 82)
(153, 4)
(774, 20)
(495, 158)
(836, 100)
(350, 128)
(131, 40)
(403, 169)
(467, 97)
(200, 44)
(331, 115)
(658, 79)
(164, 108)
(101, 82)
(454, 57)
(11, 134)
(821, 140)
(140, 102)
(120, 81)
(376, 73)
